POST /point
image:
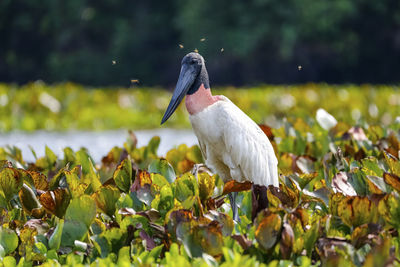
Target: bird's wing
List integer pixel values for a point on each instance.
(203, 150)
(249, 153)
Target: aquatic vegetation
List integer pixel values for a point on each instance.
(337, 203)
(70, 106)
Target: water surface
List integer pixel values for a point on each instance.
(98, 143)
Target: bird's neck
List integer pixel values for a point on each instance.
(199, 100)
(201, 79)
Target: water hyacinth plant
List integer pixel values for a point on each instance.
(337, 203)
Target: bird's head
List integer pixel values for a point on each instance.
(193, 74)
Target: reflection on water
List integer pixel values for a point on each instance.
(98, 143)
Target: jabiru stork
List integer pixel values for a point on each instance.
(232, 144)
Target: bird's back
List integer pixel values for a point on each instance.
(233, 145)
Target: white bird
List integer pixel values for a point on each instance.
(232, 144)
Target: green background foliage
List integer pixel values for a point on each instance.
(70, 106)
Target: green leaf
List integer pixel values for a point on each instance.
(355, 211)
(10, 183)
(76, 187)
(389, 209)
(106, 198)
(394, 165)
(206, 185)
(41, 247)
(198, 238)
(130, 201)
(116, 237)
(153, 254)
(28, 199)
(161, 166)
(164, 201)
(78, 217)
(153, 146)
(89, 175)
(69, 156)
(194, 154)
(268, 228)
(310, 237)
(186, 186)
(55, 238)
(9, 261)
(123, 175)
(158, 181)
(50, 157)
(8, 240)
(83, 159)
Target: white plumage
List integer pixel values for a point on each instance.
(233, 145)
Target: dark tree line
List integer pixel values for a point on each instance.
(269, 41)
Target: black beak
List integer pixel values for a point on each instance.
(186, 79)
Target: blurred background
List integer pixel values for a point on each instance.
(81, 72)
(108, 42)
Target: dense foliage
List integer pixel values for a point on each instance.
(263, 40)
(337, 204)
(69, 106)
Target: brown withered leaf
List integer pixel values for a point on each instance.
(365, 234)
(185, 165)
(39, 180)
(150, 244)
(38, 213)
(302, 215)
(56, 202)
(392, 180)
(111, 159)
(233, 186)
(360, 154)
(243, 241)
(215, 203)
(268, 131)
(283, 198)
(142, 178)
(287, 241)
(349, 150)
(394, 142)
